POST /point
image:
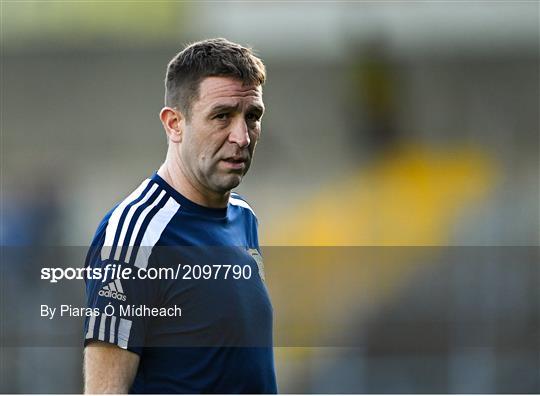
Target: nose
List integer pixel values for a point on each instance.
(240, 133)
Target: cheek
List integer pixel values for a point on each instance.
(210, 150)
(254, 136)
(216, 142)
(197, 143)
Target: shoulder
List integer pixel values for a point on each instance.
(137, 220)
(236, 199)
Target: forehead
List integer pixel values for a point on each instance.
(213, 90)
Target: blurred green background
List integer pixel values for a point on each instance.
(388, 124)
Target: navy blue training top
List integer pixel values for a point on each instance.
(204, 323)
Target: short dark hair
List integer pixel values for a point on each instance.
(209, 58)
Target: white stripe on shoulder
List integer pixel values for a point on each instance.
(112, 225)
(154, 230)
(129, 216)
(140, 220)
(240, 202)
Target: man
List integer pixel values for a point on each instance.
(185, 213)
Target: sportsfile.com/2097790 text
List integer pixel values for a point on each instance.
(118, 271)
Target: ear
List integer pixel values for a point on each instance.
(173, 123)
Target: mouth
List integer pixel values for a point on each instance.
(235, 162)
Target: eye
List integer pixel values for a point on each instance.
(253, 117)
(221, 116)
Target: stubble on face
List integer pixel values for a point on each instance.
(220, 137)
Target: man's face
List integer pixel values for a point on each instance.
(220, 138)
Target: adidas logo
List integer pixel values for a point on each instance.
(113, 290)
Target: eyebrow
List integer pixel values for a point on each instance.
(221, 108)
(227, 108)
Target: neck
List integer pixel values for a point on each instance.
(171, 171)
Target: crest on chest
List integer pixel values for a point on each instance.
(259, 260)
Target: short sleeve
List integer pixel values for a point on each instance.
(113, 299)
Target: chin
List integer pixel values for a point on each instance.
(231, 182)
